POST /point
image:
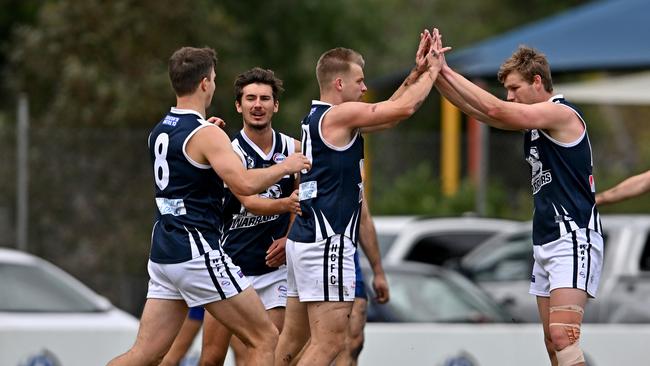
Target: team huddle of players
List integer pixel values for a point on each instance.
(262, 230)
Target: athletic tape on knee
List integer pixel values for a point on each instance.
(570, 355)
(569, 317)
(571, 308)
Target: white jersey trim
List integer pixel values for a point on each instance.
(239, 151)
(257, 148)
(186, 111)
(567, 144)
(189, 159)
(320, 132)
(203, 123)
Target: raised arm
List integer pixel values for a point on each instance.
(446, 90)
(421, 65)
(211, 145)
(406, 100)
(487, 108)
(630, 187)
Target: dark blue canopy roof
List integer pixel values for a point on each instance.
(604, 35)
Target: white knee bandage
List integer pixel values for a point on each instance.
(571, 355)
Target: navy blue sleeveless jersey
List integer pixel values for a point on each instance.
(247, 236)
(562, 183)
(189, 195)
(331, 191)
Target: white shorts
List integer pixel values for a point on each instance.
(271, 288)
(321, 271)
(573, 261)
(204, 279)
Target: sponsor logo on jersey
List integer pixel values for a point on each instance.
(592, 184)
(307, 190)
(171, 121)
(562, 218)
(168, 206)
(278, 158)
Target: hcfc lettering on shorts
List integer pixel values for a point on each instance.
(333, 267)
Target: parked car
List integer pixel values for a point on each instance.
(47, 317)
(388, 229)
(438, 240)
(427, 293)
(502, 266)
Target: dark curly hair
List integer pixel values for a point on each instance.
(258, 75)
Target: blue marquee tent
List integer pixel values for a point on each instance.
(602, 35)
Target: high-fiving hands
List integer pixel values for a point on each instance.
(436, 55)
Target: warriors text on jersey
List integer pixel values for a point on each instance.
(331, 191)
(247, 236)
(189, 195)
(562, 183)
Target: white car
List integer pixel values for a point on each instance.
(388, 229)
(48, 318)
(438, 240)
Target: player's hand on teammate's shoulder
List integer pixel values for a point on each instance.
(217, 121)
(296, 162)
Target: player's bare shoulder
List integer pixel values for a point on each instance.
(205, 140)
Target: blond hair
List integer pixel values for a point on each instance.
(335, 62)
(528, 62)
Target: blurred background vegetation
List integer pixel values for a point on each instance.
(95, 74)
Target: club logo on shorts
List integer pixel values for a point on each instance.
(225, 283)
(282, 291)
(240, 274)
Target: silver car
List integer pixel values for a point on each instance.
(424, 293)
(438, 240)
(502, 266)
